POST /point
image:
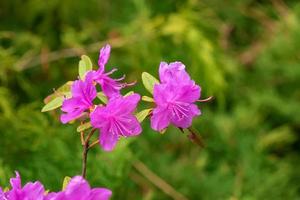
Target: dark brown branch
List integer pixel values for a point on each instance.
(85, 152)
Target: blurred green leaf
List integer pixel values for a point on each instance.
(53, 104)
(143, 114)
(84, 126)
(85, 65)
(129, 93)
(102, 97)
(66, 181)
(149, 81)
(147, 99)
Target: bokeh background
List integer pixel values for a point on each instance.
(246, 53)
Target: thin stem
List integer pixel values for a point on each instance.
(205, 100)
(85, 152)
(93, 144)
(84, 159)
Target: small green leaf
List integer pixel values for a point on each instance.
(148, 99)
(64, 90)
(143, 114)
(149, 81)
(66, 181)
(84, 126)
(129, 93)
(85, 64)
(102, 97)
(53, 104)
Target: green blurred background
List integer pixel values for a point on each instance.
(246, 53)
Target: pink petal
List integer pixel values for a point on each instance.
(185, 122)
(65, 118)
(100, 194)
(160, 119)
(108, 140)
(103, 57)
(174, 72)
(16, 182)
(189, 93)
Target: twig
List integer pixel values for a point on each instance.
(85, 152)
(84, 159)
(157, 181)
(93, 144)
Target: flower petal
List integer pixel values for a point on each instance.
(103, 57)
(77, 189)
(34, 191)
(107, 139)
(127, 126)
(65, 118)
(189, 93)
(186, 121)
(100, 194)
(160, 118)
(16, 182)
(174, 72)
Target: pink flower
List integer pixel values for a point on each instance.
(30, 191)
(175, 98)
(116, 119)
(79, 189)
(109, 86)
(83, 94)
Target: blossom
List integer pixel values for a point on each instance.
(175, 98)
(109, 85)
(116, 119)
(79, 189)
(83, 94)
(30, 191)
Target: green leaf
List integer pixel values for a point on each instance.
(148, 99)
(66, 181)
(53, 104)
(85, 64)
(143, 114)
(64, 90)
(149, 81)
(102, 97)
(84, 126)
(129, 93)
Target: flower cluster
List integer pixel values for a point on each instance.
(174, 97)
(116, 118)
(77, 189)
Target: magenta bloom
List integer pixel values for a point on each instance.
(79, 189)
(83, 94)
(116, 119)
(109, 86)
(175, 98)
(30, 191)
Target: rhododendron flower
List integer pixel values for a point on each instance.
(175, 98)
(30, 191)
(79, 189)
(109, 86)
(83, 94)
(116, 119)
